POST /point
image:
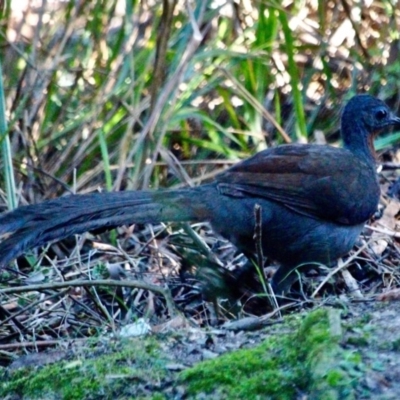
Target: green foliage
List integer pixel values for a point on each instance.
(6, 150)
(107, 88)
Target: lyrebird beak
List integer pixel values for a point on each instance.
(394, 120)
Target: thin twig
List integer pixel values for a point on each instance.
(340, 267)
(173, 311)
(260, 258)
(258, 238)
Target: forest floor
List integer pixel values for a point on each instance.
(337, 352)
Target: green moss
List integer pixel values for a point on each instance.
(396, 345)
(303, 358)
(115, 373)
(310, 361)
(360, 341)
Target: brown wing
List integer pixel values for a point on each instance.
(318, 181)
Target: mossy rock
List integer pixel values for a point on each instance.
(309, 361)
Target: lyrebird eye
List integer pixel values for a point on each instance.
(381, 114)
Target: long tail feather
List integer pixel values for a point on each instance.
(36, 225)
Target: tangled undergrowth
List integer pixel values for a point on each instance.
(106, 95)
